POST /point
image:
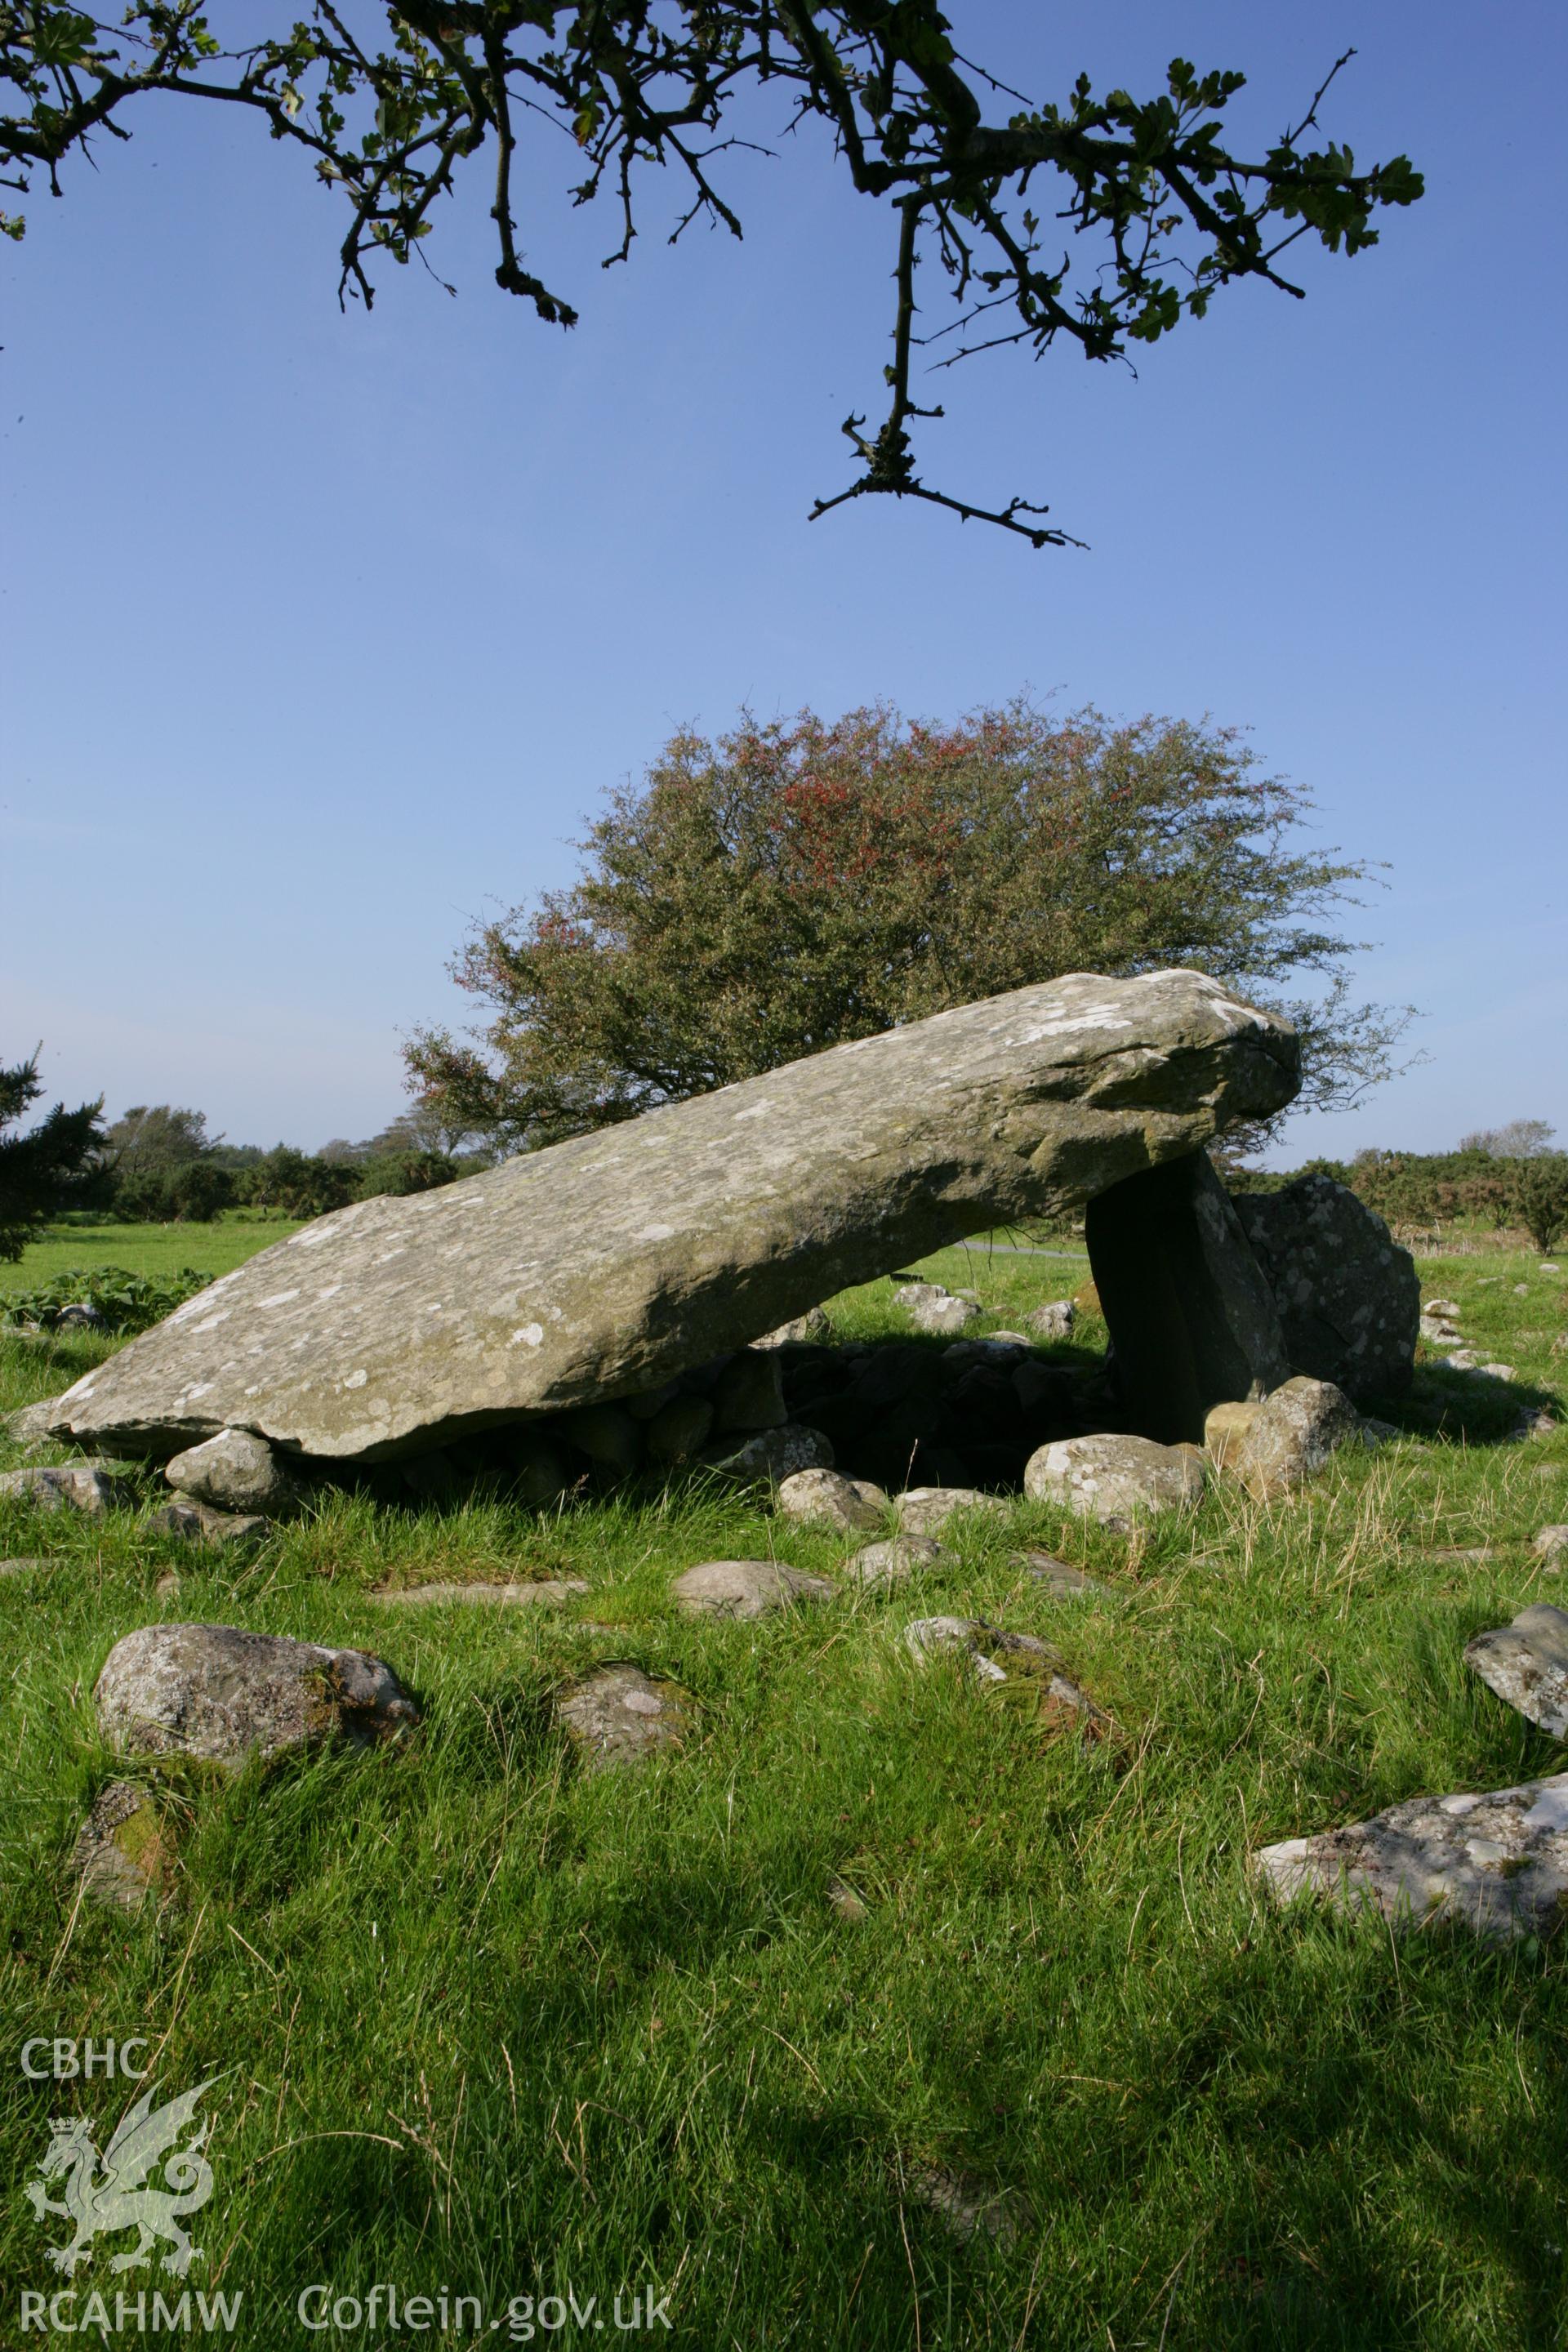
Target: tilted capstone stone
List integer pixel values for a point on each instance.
(603, 1267)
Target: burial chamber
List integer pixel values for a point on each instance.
(603, 1267)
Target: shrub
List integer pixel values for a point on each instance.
(1540, 1196)
(125, 1302)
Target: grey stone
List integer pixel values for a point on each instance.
(611, 1262)
(1348, 1295)
(998, 1655)
(1041, 1388)
(221, 1695)
(651, 1403)
(1191, 1317)
(926, 1510)
(1053, 1321)
(770, 1456)
(541, 1474)
(31, 1422)
(749, 1392)
(681, 1431)
(199, 1523)
(1114, 1479)
(120, 1854)
(744, 1588)
(82, 1317)
(824, 1498)
(235, 1471)
(1448, 1307)
(844, 1903)
(1527, 1665)
(86, 1486)
(808, 1330)
(895, 1562)
(1552, 1544)
(1062, 1582)
(910, 1294)
(1495, 1371)
(543, 1592)
(621, 1716)
(940, 1316)
(24, 1564)
(610, 1438)
(971, 2206)
(1496, 1864)
(1286, 1439)
(432, 1477)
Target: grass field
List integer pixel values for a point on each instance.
(162, 1250)
(485, 2027)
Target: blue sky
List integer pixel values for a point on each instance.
(322, 635)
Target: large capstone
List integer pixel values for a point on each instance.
(1348, 1297)
(1192, 1319)
(603, 1267)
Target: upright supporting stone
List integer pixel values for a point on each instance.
(1192, 1319)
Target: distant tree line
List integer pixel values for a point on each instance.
(158, 1164)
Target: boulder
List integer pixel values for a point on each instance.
(87, 1487)
(235, 1471)
(744, 1588)
(895, 1562)
(121, 1856)
(1496, 1864)
(218, 1694)
(749, 1393)
(1114, 1479)
(1552, 1544)
(30, 1422)
(996, 1655)
(199, 1523)
(972, 2207)
(1277, 1446)
(926, 1510)
(1191, 1317)
(679, 1430)
(824, 1498)
(1349, 1297)
(1527, 1665)
(943, 1316)
(605, 1265)
(541, 1474)
(807, 1331)
(621, 1716)
(607, 1435)
(770, 1456)
(1062, 1582)
(1053, 1321)
(543, 1592)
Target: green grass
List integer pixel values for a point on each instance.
(487, 2024)
(212, 1249)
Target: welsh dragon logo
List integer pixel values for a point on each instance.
(105, 2196)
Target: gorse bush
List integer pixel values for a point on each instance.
(126, 1303)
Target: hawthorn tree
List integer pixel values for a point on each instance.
(794, 886)
(1097, 221)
